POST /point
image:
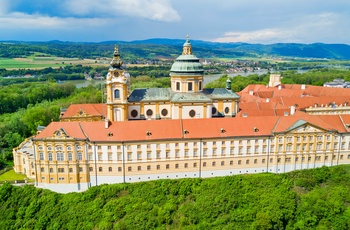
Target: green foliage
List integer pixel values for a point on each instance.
(41, 109)
(148, 82)
(312, 77)
(258, 201)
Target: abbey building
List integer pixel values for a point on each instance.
(187, 131)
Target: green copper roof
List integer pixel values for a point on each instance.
(190, 97)
(220, 93)
(187, 63)
(151, 94)
(296, 125)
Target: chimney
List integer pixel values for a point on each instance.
(107, 123)
(292, 110)
(303, 86)
(267, 100)
(251, 92)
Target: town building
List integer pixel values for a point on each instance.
(187, 131)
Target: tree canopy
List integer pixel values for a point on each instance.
(307, 199)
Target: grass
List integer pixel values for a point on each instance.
(11, 175)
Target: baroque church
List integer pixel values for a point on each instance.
(185, 99)
(187, 131)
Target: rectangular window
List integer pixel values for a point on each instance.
(100, 157)
(231, 162)
(195, 165)
(80, 169)
(129, 169)
(129, 157)
(158, 167)
(148, 167)
(70, 170)
(177, 86)
(109, 156)
(91, 169)
(190, 86)
(138, 168)
(109, 169)
(119, 169)
(119, 157)
(51, 170)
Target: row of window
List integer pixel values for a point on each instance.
(213, 163)
(60, 156)
(189, 86)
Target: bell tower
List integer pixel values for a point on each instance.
(118, 89)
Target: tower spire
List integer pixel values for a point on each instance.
(116, 61)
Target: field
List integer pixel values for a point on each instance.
(44, 62)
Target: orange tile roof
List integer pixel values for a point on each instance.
(287, 122)
(91, 109)
(291, 94)
(72, 129)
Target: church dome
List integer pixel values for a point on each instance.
(187, 63)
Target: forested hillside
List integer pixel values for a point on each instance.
(171, 48)
(309, 199)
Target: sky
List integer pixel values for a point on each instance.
(251, 21)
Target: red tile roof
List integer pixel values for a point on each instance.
(72, 129)
(130, 131)
(90, 109)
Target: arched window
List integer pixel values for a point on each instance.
(116, 94)
(80, 156)
(70, 158)
(60, 156)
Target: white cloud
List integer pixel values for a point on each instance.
(310, 28)
(26, 21)
(158, 10)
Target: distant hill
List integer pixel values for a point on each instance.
(171, 48)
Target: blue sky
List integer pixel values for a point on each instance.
(252, 21)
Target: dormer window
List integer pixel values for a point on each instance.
(116, 94)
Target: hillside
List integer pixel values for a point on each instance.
(169, 48)
(308, 199)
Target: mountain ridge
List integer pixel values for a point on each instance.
(209, 49)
